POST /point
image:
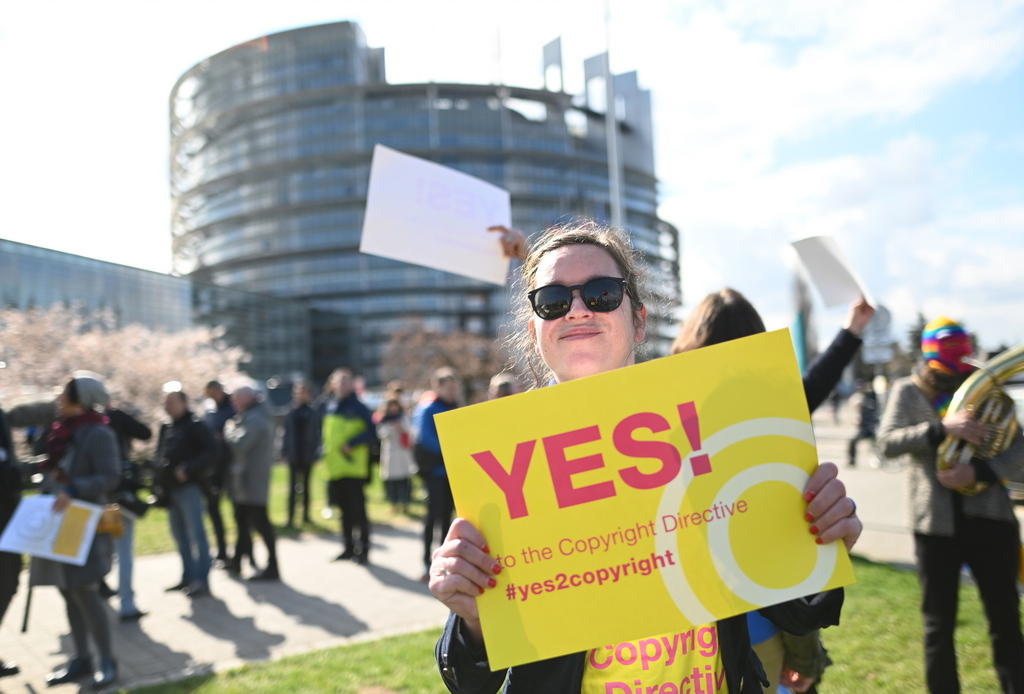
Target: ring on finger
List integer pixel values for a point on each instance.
(853, 509)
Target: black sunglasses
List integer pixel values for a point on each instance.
(601, 294)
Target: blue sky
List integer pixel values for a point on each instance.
(896, 127)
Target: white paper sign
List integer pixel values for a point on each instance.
(39, 532)
(829, 272)
(427, 214)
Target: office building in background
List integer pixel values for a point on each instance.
(276, 333)
(271, 142)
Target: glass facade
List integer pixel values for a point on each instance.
(271, 143)
(275, 332)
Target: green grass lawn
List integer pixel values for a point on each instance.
(153, 534)
(877, 649)
(402, 664)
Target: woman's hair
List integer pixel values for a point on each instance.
(723, 315)
(328, 387)
(71, 392)
(582, 232)
(386, 405)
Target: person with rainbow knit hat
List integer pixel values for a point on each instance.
(950, 528)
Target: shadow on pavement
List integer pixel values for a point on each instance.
(308, 609)
(213, 616)
(387, 530)
(393, 579)
(139, 657)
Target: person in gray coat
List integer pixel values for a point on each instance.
(953, 528)
(250, 437)
(82, 463)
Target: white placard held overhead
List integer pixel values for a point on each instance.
(427, 214)
(36, 530)
(831, 275)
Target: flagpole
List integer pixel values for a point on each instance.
(611, 126)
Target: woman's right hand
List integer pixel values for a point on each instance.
(461, 571)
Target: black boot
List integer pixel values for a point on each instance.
(268, 574)
(75, 669)
(106, 592)
(106, 675)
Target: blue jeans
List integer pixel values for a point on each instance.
(125, 548)
(186, 516)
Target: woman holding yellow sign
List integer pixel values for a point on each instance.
(585, 315)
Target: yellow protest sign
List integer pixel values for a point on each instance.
(641, 501)
(72, 531)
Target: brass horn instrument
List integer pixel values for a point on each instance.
(983, 395)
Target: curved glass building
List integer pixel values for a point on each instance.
(270, 152)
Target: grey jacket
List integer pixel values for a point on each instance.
(250, 436)
(911, 432)
(93, 466)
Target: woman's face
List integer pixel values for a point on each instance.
(583, 342)
(66, 408)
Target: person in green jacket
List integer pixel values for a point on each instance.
(348, 430)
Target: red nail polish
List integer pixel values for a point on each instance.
(481, 591)
(496, 569)
(486, 549)
(491, 582)
(818, 540)
(814, 530)
(809, 518)
(809, 496)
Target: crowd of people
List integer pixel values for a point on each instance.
(582, 311)
(201, 459)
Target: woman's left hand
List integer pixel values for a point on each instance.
(831, 514)
(796, 682)
(957, 477)
(62, 502)
(513, 242)
(861, 313)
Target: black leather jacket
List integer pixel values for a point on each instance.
(464, 667)
(189, 443)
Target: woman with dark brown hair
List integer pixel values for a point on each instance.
(728, 315)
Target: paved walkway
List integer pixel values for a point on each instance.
(320, 603)
(323, 603)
